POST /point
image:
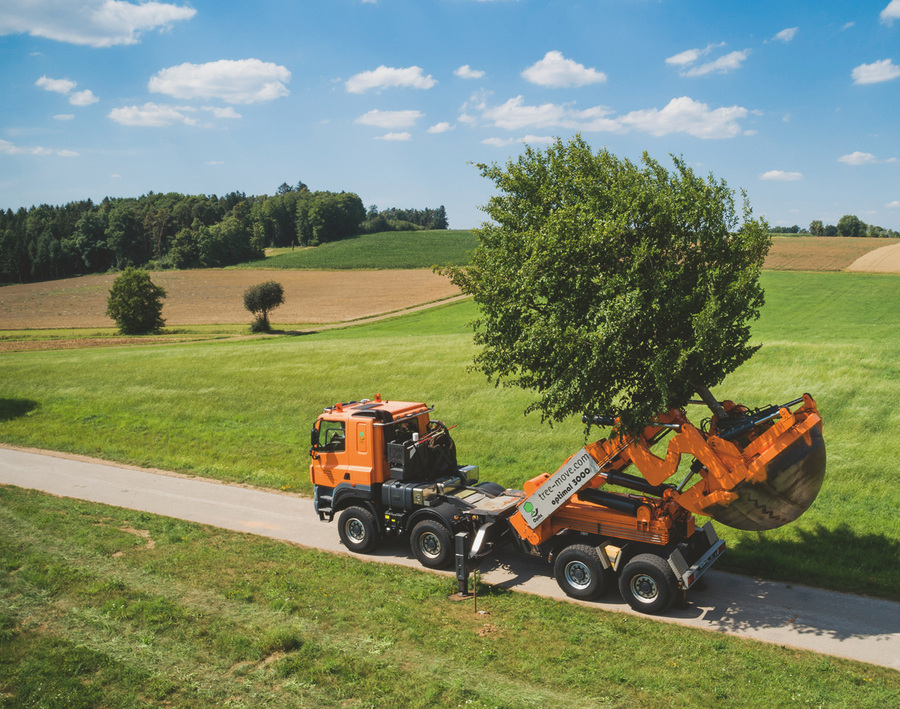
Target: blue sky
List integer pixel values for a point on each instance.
(794, 102)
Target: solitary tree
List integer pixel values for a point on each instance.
(259, 300)
(612, 288)
(135, 303)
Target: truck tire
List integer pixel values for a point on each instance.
(579, 573)
(647, 584)
(358, 530)
(432, 544)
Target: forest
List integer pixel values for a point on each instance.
(172, 230)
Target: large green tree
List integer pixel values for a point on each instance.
(135, 303)
(610, 287)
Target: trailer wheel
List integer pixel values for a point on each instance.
(432, 544)
(647, 584)
(358, 530)
(579, 573)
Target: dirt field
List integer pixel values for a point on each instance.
(883, 260)
(216, 297)
(815, 253)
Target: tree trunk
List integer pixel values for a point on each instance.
(711, 401)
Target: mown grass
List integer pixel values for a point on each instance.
(241, 411)
(385, 250)
(103, 607)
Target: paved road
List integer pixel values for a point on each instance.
(822, 621)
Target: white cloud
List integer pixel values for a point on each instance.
(63, 116)
(847, 26)
(891, 13)
(441, 127)
(396, 136)
(689, 56)
(227, 112)
(389, 119)
(83, 98)
(555, 71)
(857, 158)
(241, 81)
(59, 86)
(781, 176)
(385, 77)
(786, 35)
(680, 115)
(528, 139)
(467, 72)
(875, 73)
(893, 205)
(92, 23)
(151, 115)
(8, 148)
(722, 65)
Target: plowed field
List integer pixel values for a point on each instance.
(216, 297)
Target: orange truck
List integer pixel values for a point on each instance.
(388, 468)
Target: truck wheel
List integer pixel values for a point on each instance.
(648, 584)
(432, 544)
(579, 573)
(358, 530)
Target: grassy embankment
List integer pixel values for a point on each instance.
(385, 250)
(104, 607)
(240, 411)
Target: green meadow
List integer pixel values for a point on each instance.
(240, 411)
(384, 250)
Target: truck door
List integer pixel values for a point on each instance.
(329, 453)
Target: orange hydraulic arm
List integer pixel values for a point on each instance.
(756, 471)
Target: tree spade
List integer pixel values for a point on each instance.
(259, 300)
(612, 288)
(135, 303)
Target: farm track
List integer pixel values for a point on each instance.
(842, 625)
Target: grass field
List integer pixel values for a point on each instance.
(240, 411)
(385, 250)
(104, 607)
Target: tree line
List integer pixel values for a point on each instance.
(848, 225)
(172, 230)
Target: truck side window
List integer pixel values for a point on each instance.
(331, 436)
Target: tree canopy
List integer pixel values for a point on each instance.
(260, 299)
(612, 288)
(135, 303)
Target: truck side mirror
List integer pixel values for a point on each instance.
(314, 437)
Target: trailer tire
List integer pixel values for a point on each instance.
(432, 544)
(358, 530)
(647, 584)
(579, 573)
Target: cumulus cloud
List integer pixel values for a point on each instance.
(399, 137)
(467, 72)
(860, 158)
(786, 35)
(555, 71)
(893, 205)
(781, 176)
(92, 23)
(891, 13)
(385, 77)
(876, 72)
(152, 115)
(64, 87)
(241, 81)
(441, 127)
(389, 119)
(59, 86)
(8, 148)
(680, 115)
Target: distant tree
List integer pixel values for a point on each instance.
(284, 188)
(816, 228)
(830, 230)
(851, 225)
(440, 219)
(135, 303)
(259, 300)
